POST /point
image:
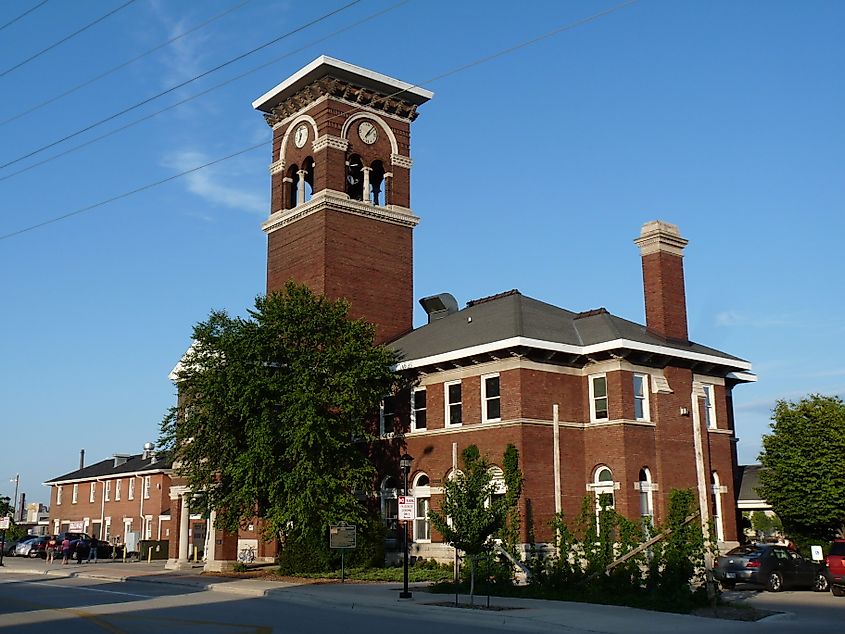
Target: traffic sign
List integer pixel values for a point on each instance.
(407, 508)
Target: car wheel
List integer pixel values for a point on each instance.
(728, 585)
(821, 584)
(838, 591)
(775, 583)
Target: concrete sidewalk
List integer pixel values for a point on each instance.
(518, 614)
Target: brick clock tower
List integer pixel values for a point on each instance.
(340, 215)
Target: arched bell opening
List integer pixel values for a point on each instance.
(376, 182)
(355, 177)
(290, 181)
(307, 179)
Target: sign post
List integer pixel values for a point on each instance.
(342, 537)
(4, 526)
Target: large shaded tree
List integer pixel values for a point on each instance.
(273, 414)
(804, 462)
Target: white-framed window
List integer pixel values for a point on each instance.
(131, 493)
(107, 529)
(387, 418)
(497, 479)
(117, 487)
(718, 521)
(709, 405)
(390, 507)
(646, 498)
(107, 493)
(452, 390)
(422, 497)
(58, 495)
(146, 487)
(92, 495)
(491, 401)
(148, 527)
(641, 411)
(603, 488)
(598, 397)
(55, 527)
(75, 497)
(419, 420)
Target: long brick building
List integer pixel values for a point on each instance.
(594, 403)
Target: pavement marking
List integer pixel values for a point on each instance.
(126, 594)
(83, 614)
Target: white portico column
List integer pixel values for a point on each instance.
(300, 187)
(184, 529)
(367, 194)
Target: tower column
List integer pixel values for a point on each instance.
(300, 187)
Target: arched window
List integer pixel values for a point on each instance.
(355, 177)
(646, 498)
(290, 181)
(390, 507)
(497, 477)
(422, 496)
(717, 507)
(603, 487)
(376, 181)
(308, 184)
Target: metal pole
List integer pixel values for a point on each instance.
(2, 546)
(16, 513)
(342, 567)
(405, 594)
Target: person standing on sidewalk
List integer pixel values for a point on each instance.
(65, 550)
(92, 550)
(51, 549)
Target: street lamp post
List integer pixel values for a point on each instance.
(405, 463)
(17, 481)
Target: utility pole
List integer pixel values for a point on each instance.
(15, 513)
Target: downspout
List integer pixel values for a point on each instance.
(143, 520)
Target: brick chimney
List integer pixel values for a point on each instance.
(662, 250)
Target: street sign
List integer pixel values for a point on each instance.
(816, 553)
(4, 523)
(342, 536)
(407, 508)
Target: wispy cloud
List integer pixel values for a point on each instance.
(732, 318)
(209, 183)
(184, 56)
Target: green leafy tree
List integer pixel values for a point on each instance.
(804, 459)
(273, 414)
(469, 514)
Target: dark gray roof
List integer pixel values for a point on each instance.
(512, 314)
(749, 481)
(105, 468)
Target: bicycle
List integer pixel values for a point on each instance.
(247, 555)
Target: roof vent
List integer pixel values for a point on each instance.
(120, 458)
(439, 306)
(149, 450)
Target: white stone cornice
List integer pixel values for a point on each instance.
(659, 236)
(328, 140)
(331, 200)
(400, 160)
(277, 166)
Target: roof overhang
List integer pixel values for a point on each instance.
(108, 476)
(357, 75)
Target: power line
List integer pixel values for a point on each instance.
(114, 69)
(448, 73)
(24, 14)
(204, 92)
(65, 38)
(180, 85)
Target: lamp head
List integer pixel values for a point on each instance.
(405, 461)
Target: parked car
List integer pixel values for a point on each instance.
(770, 565)
(35, 547)
(22, 549)
(83, 542)
(10, 544)
(835, 562)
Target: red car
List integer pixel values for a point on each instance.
(836, 567)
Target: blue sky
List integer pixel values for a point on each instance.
(533, 171)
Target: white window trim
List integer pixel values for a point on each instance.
(646, 388)
(447, 420)
(484, 418)
(382, 427)
(59, 495)
(130, 494)
(414, 411)
(648, 492)
(117, 487)
(717, 511)
(92, 496)
(421, 492)
(75, 496)
(591, 378)
(107, 491)
(147, 487)
(710, 405)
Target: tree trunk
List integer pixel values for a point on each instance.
(472, 580)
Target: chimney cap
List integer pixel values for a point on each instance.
(659, 235)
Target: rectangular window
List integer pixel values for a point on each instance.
(453, 403)
(131, 493)
(146, 487)
(92, 496)
(58, 495)
(75, 497)
(422, 525)
(117, 487)
(598, 397)
(491, 402)
(107, 494)
(641, 397)
(418, 407)
(709, 406)
(148, 527)
(107, 530)
(388, 414)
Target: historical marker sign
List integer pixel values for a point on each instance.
(342, 536)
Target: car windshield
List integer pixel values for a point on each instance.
(837, 548)
(745, 551)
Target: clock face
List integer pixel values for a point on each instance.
(300, 136)
(368, 132)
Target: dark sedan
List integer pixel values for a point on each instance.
(770, 565)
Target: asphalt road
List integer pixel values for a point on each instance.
(43, 604)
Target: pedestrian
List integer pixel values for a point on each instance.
(65, 550)
(92, 550)
(51, 549)
(77, 550)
